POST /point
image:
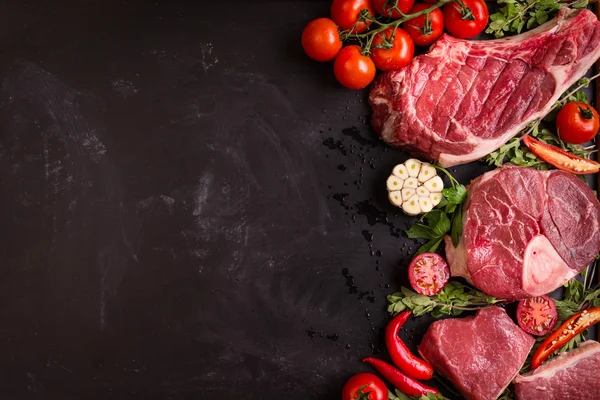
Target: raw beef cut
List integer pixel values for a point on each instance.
(480, 354)
(466, 98)
(573, 376)
(525, 232)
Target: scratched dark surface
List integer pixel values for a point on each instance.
(187, 205)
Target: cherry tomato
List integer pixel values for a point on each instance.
(577, 122)
(321, 40)
(392, 8)
(428, 273)
(345, 13)
(466, 18)
(362, 384)
(425, 29)
(352, 69)
(537, 315)
(398, 56)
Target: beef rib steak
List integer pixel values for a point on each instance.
(525, 232)
(466, 98)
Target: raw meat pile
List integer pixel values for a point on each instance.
(465, 98)
(480, 354)
(525, 232)
(572, 375)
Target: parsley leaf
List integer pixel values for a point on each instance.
(519, 14)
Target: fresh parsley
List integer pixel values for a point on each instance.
(445, 218)
(518, 15)
(454, 299)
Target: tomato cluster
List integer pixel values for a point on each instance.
(386, 43)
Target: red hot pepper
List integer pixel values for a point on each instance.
(401, 355)
(567, 331)
(560, 158)
(405, 384)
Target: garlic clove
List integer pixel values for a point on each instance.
(427, 172)
(400, 171)
(394, 183)
(425, 204)
(395, 198)
(411, 206)
(413, 166)
(407, 194)
(435, 184)
(411, 183)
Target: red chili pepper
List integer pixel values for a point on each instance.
(405, 384)
(567, 331)
(401, 355)
(560, 158)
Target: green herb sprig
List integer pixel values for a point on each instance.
(454, 299)
(518, 15)
(446, 218)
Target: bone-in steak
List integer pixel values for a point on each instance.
(572, 376)
(480, 355)
(466, 98)
(525, 232)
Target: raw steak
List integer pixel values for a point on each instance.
(466, 98)
(480, 355)
(525, 232)
(573, 376)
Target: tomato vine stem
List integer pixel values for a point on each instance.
(381, 26)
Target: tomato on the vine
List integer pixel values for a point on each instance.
(466, 18)
(577, 122)
(392, 49)
(353, 69)
(392, 8)
(321, 39)
(427, 28)
(346, 14)
(365, 384)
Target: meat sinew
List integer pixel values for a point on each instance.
(525, 232)
(573, 376)
(480, 354)
(466, 98)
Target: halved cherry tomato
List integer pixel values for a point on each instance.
(560, 158)
(399, 54)
(567, 331)
(428, 273)
(577, 122)
(392, 8)
(321, 39)
(537, 315)
(427, 28)
(365, 386)
(466, 18)
(346, 13)
(352, 69)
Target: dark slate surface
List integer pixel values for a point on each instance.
(187, 205)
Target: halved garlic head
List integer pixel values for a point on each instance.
(415, 187)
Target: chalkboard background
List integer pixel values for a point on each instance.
(189, 207)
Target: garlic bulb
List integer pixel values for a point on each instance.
(415, 187)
